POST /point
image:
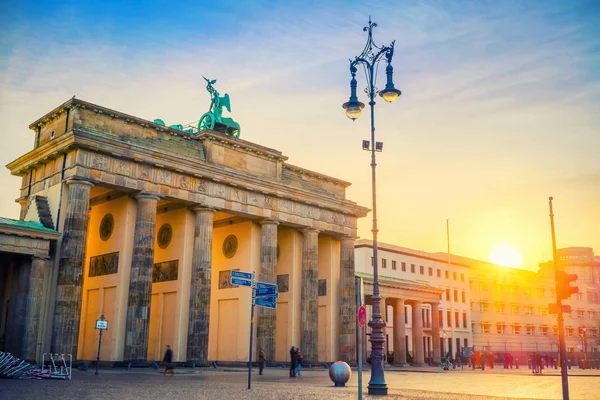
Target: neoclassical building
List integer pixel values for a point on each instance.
(145, 223)
(426, 301)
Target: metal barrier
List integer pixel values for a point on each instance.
(58, 367)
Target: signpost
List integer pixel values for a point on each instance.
(101, 325)
(263, 295)
(361, 319)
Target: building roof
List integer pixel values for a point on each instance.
(405, 283)
(33, 227)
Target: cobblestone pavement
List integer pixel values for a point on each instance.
(224, 384)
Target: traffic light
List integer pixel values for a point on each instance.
(564, 290)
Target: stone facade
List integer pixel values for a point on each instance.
(214, 185)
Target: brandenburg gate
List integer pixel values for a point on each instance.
(153, 218)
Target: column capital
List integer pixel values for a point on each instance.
(200, 208)
(268, 221)
(310, 230)
(40, 257)
(147, 196)
(78, 181)
(348, 238)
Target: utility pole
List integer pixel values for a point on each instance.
(561, 328)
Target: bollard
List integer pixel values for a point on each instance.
(340, 373)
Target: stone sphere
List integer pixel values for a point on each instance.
(340, 373)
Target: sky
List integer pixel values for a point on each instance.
(500, 104)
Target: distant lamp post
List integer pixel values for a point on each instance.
(369, 59)
(583, 343)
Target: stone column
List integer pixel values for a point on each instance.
(265, 328)
(34, 308)
(417, 331)
(348, 309)
(199, 316)
(399, 333)
(140, 279)
(309, 304)
(435, 332)
(67, 310)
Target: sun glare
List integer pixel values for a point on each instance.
(505, 254)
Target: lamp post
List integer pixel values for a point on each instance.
(369, 59)
(583, 343)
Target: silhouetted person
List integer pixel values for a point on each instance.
(168, 360)
(293, 361)
(261, 361)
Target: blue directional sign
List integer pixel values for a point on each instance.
(266, 301)
(241, 275)
(240, 282)
(266, 289)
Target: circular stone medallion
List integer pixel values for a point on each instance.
(165, 234)
(230, 245)
(106, 227)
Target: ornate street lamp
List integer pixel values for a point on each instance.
(369, 59)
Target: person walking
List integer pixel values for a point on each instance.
(168, 360)
(298, 363)
(293, 361)
(262, 360)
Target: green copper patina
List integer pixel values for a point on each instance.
(213, 119)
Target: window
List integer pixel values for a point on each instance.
(403, 265)
(372, 261)
(441, 317)
(543, 310)
(514, 309)
(457, 319)
(462, 277)
(430, 271)
(500, 308)
(439, 273)
(52, 134)
(412, 268)
(483, 287)
(527, 292)
(500, 328)
(528, 310)
(483, 306)
(580, 314)
(592, 314)
(555, 330)
(544, 330)
(530, 330)
(454, 275)
(449, 315)
(541, 292)
(448, 294)
(405, 315)
(516, 329)
(463, 296)
(456, 296)
(579, 296)
(512, 289)
(569, 331)
(447, 274)
(394, 264)
(464, 320)
(552, 293)
(421, 269)
(485, 327)
(593, 332)
(383, 263)
(466, 342)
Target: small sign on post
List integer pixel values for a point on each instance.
(362, 315)
(101, 325)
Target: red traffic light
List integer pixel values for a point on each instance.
(563, 288)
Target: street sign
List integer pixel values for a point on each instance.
(101, 324)
(240, 282)
(266, 289)
(241, 275)
(266, 301)
(362, 315)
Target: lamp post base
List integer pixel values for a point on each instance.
(378, 389)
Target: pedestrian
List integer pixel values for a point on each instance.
(298, 363)
(293, 361)
(262, 360)
(168, 360)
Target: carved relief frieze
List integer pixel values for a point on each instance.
(290, 209)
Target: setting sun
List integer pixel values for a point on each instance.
(505, 254)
